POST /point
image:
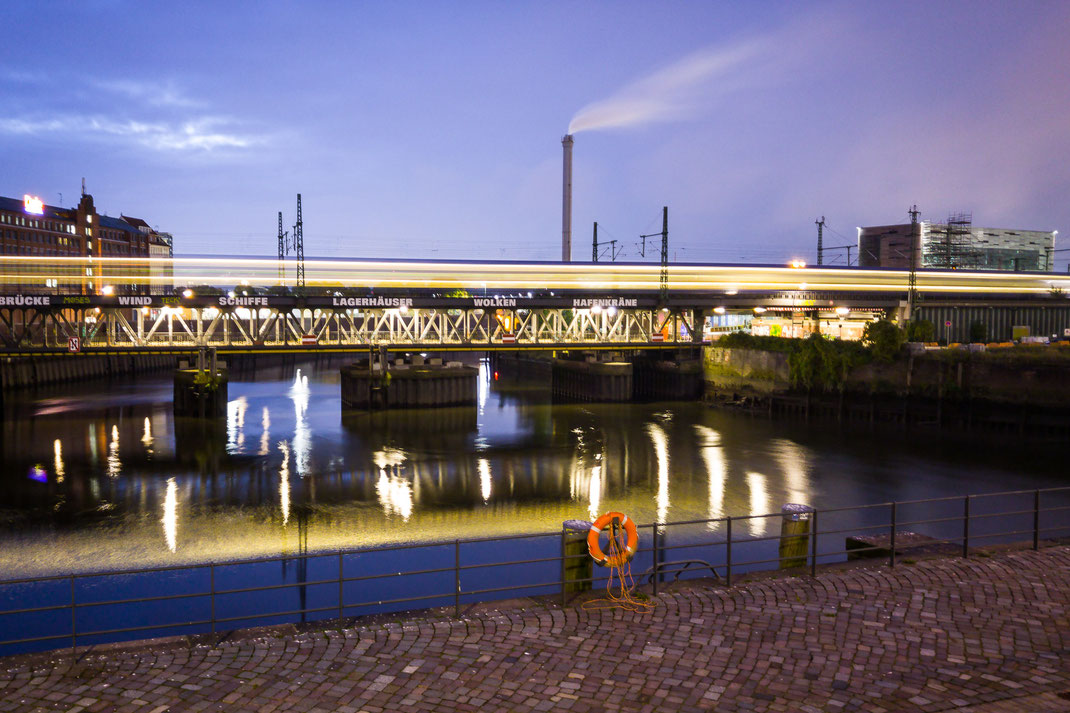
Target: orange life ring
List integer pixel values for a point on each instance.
(596, 550)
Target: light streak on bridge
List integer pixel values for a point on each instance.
(237, 303)
(18, 271)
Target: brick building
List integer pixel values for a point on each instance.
(31, 229)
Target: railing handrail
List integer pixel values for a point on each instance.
(658, 548)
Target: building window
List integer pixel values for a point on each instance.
(88, 231)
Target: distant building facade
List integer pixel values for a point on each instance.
(956, 246)
(161, 249)
(29, 228)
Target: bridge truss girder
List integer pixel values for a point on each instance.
(26, 328)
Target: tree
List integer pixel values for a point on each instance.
(884, 339)
(920, 330)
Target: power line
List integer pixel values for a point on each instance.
(299, 245)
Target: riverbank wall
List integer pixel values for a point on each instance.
(30, 371)
(21, 372)
(1018, 390)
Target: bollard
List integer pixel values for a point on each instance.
(574, 538)
(794, 535)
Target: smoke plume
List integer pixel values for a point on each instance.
(691, 86)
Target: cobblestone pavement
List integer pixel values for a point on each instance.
(983, 635)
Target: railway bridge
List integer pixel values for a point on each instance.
(104, 305)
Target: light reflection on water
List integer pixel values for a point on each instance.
(661, 453)
(59, 469)
(302, 440)
(265, 436)
(713, 458)
(284, 482)
(170, 515)
(106, 467)
(759, 502)
(115, 466)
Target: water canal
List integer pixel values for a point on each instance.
(100, 476)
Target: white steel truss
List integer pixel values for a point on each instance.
(194, 327)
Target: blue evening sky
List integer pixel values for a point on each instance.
(432, 129)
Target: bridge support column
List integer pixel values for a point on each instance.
(201, 392)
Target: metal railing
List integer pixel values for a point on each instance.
(968, 524)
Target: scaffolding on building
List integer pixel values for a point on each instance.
(951, 246)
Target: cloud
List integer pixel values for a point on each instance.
(152, 93)
(155, 115)
(203, 134)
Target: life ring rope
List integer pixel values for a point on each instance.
(623, 544)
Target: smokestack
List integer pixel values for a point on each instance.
(566, 202)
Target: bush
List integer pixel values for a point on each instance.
(978, 332)
(820, 363)
(884, 339)
(742, 340)
(920, 330)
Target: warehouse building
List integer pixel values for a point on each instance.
(29, 228)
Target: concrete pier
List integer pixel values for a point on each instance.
(592, 380)
(200, 394)
(607, 376)
(408, 385)
(668, 380)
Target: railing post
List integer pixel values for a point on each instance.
(341, 585)
(728, 552)
(211, 585)
(456, 577)
(564, 583)
(966, 526)
(813, 543)
(74, 620)
(656, 572)
(1036, 519)
(891, 540)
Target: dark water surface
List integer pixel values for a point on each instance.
(101, 476)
